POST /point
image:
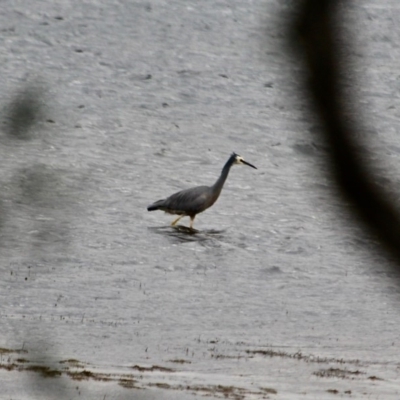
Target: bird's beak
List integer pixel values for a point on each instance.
(250, 165)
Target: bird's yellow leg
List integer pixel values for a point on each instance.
(175, 221)
(192, 221)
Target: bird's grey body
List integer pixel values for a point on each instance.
(191, 202)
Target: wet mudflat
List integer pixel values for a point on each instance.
(275, 295)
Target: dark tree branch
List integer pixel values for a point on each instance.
(316, 30)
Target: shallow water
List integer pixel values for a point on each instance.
(276, 294)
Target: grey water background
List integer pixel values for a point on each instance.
(137, 100)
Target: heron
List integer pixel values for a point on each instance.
(193, 201)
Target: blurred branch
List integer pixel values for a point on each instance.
(23, 112)
(44, 198)
(317, 31)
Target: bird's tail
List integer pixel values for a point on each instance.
(155, 206)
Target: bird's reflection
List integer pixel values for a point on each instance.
(185, 234)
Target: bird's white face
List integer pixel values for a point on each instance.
(239, 160)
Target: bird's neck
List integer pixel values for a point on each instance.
(222, 178)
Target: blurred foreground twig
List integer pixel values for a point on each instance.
(316, 30)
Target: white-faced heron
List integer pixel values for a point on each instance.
(191, 202)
